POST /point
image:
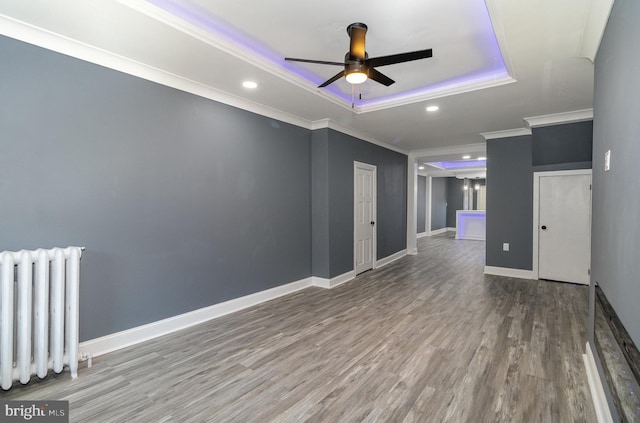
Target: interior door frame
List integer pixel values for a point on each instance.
(374, 247)
(536, 209)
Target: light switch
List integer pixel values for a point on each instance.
(505, 246)
(607, 160)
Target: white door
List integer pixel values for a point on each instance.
(564, 228)
(364, 216)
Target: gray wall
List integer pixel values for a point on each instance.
(511, 163)
(562, 145)
(615, 245)
(181, 202)
(391, 222)
(320, 204)
(509, 202)
(438, 203)
(422, 204)
(455, 199)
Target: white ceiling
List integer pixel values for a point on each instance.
(214, 45)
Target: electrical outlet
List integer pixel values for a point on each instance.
(505, 246)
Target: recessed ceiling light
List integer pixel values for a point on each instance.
(432, 108)
(466, 157)
(249, 84)
(421, 167)
(482, 158)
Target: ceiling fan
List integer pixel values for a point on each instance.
(358, 67)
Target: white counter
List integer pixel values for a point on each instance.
(471, 224)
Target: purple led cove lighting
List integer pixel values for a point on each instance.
(222, 30)
(495, 72)
(461, 82)
(459, 165)
(219, 28)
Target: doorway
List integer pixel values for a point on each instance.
(562, 226)
(364, 207)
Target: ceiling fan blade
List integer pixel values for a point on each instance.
(379, 77)
(319, 62)
(333, 79)
(399, 58)
(357, 32)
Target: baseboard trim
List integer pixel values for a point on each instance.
(603, 414)
(422, 234)
(438, 231)
(509, 272)
(344, 278)
(471, 238)
(115, 341)
(389, 259)
(321, 282)
(333, 282)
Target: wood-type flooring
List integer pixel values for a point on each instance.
(427, 338)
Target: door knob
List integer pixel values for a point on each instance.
(543, 227)
(373, 223)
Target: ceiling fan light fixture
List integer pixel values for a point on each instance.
(357, 77)
(358, 67)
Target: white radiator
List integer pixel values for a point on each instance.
(38, 313)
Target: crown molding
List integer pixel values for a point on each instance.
(49, 40)
(479, 147)
(559, 118)
(328, 123)
(498, 29)
(517, 132)
(594, 27)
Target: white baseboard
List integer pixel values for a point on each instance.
(422, 234)
(509, 272)
(126, 338)
(450, 229)
(393, 257)
(603, 414)
(346, 277)
(321, 282)
(333, 282)
(438, 231)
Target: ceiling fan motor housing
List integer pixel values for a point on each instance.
(357, 32)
